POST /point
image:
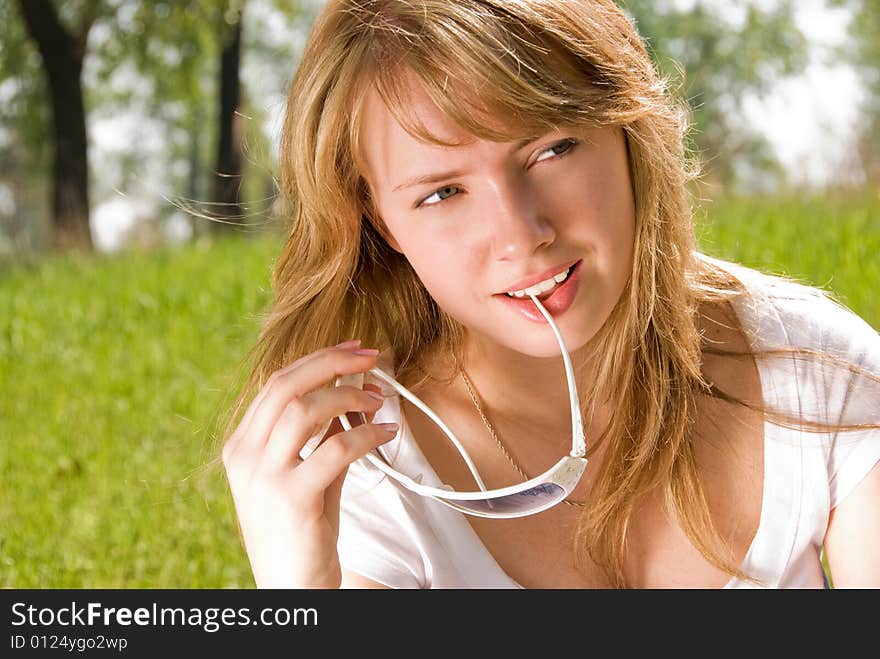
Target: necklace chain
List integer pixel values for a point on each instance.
(473, 395)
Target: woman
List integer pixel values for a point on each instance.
(451, 164)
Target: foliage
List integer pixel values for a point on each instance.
(24, 108)
(863, 50)
(717, 53)
(159, 58)
(170, 63)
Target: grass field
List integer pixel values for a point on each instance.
(114, 369)
(831, 242)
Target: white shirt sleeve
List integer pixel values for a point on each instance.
(374, 535)
(830, 392)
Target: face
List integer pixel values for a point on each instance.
(483, 219)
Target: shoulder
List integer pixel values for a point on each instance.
(780, 312)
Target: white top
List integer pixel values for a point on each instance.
(404, 540)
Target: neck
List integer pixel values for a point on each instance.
(519, 389)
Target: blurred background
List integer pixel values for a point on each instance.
(138, 148)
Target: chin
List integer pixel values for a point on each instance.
(547, 348)
(539, 341)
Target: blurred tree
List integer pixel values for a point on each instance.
(719, 52)
(162, 60)
(864, 51)
(191, 52)
(174, 56)
(23, 117)
(176, 48)
(62, 50)
(227, 174)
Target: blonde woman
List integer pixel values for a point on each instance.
(452, 168)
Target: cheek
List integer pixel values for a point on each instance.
(598, 209)
(617, 217)
(439, 252)
(434, 269)
(443, 265)
(452, 273)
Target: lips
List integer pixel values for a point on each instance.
(531, 280)
(556, 301)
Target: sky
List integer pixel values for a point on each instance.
(808, 119)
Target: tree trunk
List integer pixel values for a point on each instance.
(227, 176)
(194, 187)
(62, 55)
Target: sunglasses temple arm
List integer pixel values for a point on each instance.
(415, 400)
(578, 448)
(578, 440)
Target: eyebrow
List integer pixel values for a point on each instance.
(442, 176)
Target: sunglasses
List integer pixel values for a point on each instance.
(528, 498)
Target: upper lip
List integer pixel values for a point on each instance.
(531, 280)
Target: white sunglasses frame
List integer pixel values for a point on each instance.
(564, 475)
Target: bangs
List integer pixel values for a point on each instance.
(492, 73)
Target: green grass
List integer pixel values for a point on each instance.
(832, 242)
(113, 370)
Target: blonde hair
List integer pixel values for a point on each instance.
(539, 65)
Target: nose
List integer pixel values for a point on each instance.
(517, 226)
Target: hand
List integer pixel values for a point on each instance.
(287, 507)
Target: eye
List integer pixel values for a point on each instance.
(558, 149)
(440, 195)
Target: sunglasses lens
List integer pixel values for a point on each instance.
(356, 418)
(513, 505)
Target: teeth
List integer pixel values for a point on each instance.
(542, 286)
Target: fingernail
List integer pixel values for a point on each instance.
(389, 427)
(373, 394)
(349, 344)
(366, 351)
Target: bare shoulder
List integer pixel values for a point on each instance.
(353, 580)
(852, 543)
(728, 362)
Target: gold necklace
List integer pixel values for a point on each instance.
(467, 383)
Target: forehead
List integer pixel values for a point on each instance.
(384, 139)
(386, 145)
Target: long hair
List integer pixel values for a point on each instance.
(538, 64)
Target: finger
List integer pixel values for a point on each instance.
(307, 418)
(332, 458)
(244, 425)
(375, 389)
(299, 381)
(333, 494)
